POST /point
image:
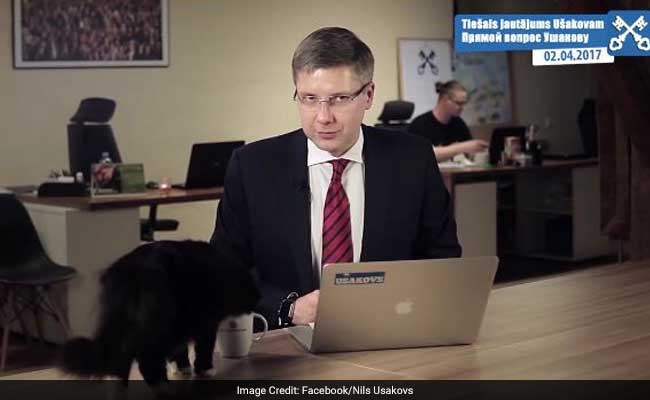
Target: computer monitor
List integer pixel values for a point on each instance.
(498, 139)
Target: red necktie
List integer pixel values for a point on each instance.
(337, 233)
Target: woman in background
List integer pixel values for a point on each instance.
(443, 126)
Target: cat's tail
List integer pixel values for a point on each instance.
(111, 350)
(84, 357)
(102, 354)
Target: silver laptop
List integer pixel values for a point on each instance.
(398, 304)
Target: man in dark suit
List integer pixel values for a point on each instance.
(333, 191)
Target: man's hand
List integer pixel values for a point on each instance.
(444, 153)
(305, 308)
(474, 146)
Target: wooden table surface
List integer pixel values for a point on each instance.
(546, 165)
(591, 324)
(150, 197)
(453, 175)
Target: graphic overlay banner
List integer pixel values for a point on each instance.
(628, 33)
(557, 39)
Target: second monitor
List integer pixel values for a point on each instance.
(208, 163)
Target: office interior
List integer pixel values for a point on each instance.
(229, 79)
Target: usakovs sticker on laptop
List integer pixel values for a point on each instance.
(359, 278)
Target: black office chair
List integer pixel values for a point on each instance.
(90, 135)
(395, 115)
(26, 273)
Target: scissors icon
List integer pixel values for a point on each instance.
(427, 60)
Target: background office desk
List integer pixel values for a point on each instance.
(151, 197)
(592, 324)
(550, 211)
(89, 234)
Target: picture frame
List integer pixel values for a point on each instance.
(90, 34)
(108, 179)
(422, 63)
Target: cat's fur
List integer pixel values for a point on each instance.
(154, 301)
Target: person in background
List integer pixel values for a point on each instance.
(443, 125)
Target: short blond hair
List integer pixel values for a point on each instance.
(333, 47)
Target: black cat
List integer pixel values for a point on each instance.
(154, 301)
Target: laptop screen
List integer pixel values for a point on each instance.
(208, 163)
(498, 138)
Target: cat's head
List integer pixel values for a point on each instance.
(239, 292)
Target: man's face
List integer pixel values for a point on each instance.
(456, 100)
(333, 126)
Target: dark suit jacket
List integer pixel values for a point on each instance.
(263, 219)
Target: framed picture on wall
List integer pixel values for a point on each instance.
(422, 63)
(90, 33)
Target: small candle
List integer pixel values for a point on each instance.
(165, 184)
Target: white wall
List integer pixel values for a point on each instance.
(229, 78)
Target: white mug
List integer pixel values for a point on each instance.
(235, 335)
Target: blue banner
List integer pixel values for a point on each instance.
(622, 33)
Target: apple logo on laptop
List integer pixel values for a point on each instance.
(404, 307)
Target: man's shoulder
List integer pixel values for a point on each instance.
(422, 124)
(398, 139)
(273, 144)
(426, 117)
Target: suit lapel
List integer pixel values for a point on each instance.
(298, 227)
(377, 192)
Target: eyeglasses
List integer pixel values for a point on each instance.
(459, 103)
(338, 101)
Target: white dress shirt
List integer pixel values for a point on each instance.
(320, 174)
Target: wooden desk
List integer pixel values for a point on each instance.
(592, 324)
(453, 176)
(515, 204)
(151, 197)
(89, 234)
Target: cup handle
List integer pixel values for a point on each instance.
(266, 326)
